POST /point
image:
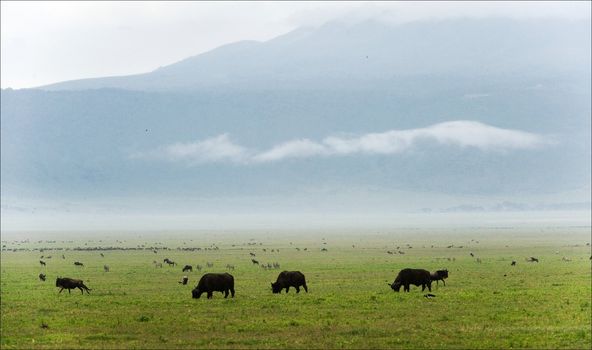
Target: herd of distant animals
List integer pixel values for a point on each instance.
(224, 282)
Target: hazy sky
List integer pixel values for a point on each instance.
(46, 42)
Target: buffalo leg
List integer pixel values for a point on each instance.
(297, 289)
(407, 288)
(444, 283)
(69, 291)
(81, 290)
(305, 288)
(210, 295)
(423, 287)
(61, 290)
(287, 289)
(232, 292)
(226, 294)
(430, 286)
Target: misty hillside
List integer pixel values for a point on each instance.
(371, 53)
(109, 136)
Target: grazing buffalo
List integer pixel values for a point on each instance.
(214, 282)
(513, 263)
(439, 275)
(78, 263)
(42, 277)
(184, 280)
(418, 277)
(255, 261)
(532, 259)
(106, 268)
(287, 279)
(188, 268)
(70, 283)
(41, 262)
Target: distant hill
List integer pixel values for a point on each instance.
(369, 53)
(78, 138)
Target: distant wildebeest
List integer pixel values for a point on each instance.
(198, 267)
(439, 275)
(532, 259)
(255, 261)
(171, 263)
(214, 282)
(42, 262)
(106, 268)
(42, 277)
(418, 277)
(287, 279)
(473, 255)
(154, 251)
(70, 283)
(166, 260)
(479, 260)
(209, 264)
(513, 263)
(102, 256)
(188, 268)
(158, 265)
(252, 254)
(184, 280)
(230, 267)
(565, 259)
(78, 263)
(63, 256)
(324, 249)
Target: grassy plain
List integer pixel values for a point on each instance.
(349, 305)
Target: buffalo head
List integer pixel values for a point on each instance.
(396, 286)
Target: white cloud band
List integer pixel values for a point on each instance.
(454, 133)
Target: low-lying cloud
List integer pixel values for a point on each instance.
(464, 134)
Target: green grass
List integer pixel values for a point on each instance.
(349, 305)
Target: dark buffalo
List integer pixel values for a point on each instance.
(42, 277)
(513, 263)
(188, 268)
(41, 262)
(418, 277)
(287, 279)
(70, 283)
(439, 275)
(78, 263)
(214, 282)
(184, 280)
